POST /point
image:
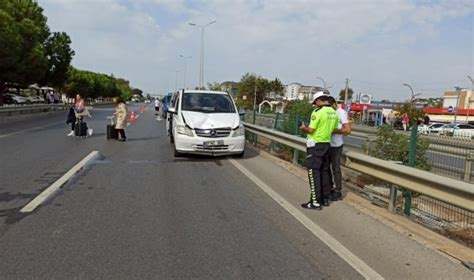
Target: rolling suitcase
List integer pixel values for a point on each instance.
(111, 132)
(81, 129)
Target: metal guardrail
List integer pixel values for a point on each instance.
(22, 109)
(8, 111)
(454, 192)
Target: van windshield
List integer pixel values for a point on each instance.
(207, 103)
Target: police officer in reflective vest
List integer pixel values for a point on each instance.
(324, 120)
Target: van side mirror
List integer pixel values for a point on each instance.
(172, 110)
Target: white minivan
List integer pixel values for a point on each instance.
(205, 122)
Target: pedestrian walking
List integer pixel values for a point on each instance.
(405, 121)
(335, 149)
(81, 111)
(322, 125)
(426, 122)
(77, 108)
(71, 119)
(121, 115)
(391, 118)
(157, 105)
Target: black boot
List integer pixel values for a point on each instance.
(312, 205)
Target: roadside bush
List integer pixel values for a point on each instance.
(395, 147)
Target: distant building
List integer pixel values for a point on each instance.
(466, 100)
(298, 91)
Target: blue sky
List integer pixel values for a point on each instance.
(377, 44)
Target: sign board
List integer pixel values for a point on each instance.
(365, 98)
(450, 109)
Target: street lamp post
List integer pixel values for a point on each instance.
(413, 95)
(201, 62)
(324, 83)
(185, 59)
(458, 90)
(176, 80)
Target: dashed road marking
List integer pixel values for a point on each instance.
(360, 266)
(44, 195)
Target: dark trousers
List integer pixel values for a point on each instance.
(121, 132)
(317, 162)
(335, 175)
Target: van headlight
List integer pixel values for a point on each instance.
(181, 129)
(239, 131)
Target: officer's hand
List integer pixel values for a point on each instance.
(302, 126)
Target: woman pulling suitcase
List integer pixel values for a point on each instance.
(121, 115)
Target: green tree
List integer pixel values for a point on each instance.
(23, 31)
(214, 86)
(276, 86)
(246, 91)
(59, 55)
(137, 91)
(342, 93)
(413, 114)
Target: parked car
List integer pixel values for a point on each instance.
(465, 131)
(9, 98)
(34, 99)
(433, 128)
(205, 122)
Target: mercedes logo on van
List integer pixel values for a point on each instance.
(213, 133)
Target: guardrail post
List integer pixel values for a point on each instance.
(412, 163)
(468, 166)
(392, 203)
(296, 155)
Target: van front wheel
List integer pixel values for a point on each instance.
(176, 153)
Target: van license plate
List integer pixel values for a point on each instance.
(213, 143)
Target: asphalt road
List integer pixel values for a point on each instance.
(139, 213)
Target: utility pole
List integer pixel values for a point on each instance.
(347, 91)
(185, 58)
(255, 97)
(458, 90)
(469, 99)
(176, 80)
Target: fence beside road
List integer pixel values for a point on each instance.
(39, 108)
(447, 156)
(441, 203)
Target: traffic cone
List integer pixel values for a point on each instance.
(142, 110)
(132, 116)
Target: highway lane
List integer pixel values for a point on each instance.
(36, 152)
(140, 213)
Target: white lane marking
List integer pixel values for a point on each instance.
(30, 129)
(360, 266)
(37, 201)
